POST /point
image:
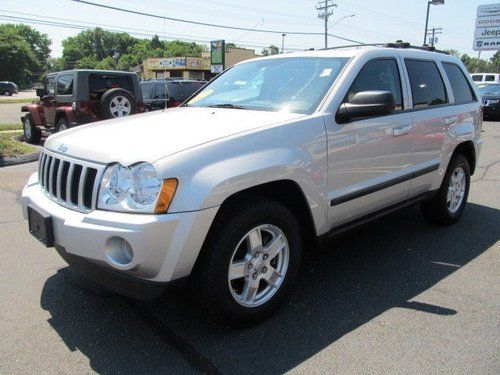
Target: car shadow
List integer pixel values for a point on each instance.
(341, 286)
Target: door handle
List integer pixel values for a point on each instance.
(401, 131)
(451, 120)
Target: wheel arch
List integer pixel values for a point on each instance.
(286, 192)
(467, 149)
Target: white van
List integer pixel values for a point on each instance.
(486, 77)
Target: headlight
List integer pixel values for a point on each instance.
(135, 189)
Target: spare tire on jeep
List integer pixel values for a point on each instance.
(116, 103)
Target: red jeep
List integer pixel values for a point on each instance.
(76, 97)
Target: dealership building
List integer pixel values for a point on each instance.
(189, 67)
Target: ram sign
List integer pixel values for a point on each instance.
(487, 32)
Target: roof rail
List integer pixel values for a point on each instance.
(397, 44)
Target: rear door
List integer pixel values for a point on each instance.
(432, 114)
(369, 158)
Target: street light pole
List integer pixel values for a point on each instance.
(433, 2)
(283, 43)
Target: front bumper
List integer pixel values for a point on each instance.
(165, 247)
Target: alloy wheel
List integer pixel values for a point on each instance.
(120, 106)
(258, 265)
(456, 190)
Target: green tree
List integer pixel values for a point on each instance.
(17, 59)
(271, 50)
(495, 62)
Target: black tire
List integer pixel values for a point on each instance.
(210, 276)
(62, 124)
(436, 210)
(31, 133)
(7, 93)
(106, 109)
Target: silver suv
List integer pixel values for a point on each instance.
(276, 151)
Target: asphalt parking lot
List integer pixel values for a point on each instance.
(396, 296)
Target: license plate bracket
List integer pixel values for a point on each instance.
(40, 226)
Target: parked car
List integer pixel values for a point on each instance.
(160, 93)
(8, 88)
(485, 78)
(490, 95)
(224, 192)
(76, 97)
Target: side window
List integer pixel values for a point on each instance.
(65, 84)
(161, 89)
(477, 77)
(381, 75)
(100, 83)
(427, 86)
(461, 89)
(489, 78)
(50, 85)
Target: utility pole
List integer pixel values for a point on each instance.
(325, 10)
(283, 43)
(433, 32)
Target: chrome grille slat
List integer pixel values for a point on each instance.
(81, 185)
(70, 182)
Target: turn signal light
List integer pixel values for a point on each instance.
(166, 195)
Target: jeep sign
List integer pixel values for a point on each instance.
(487, 32)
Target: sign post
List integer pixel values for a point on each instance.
(487, 32)
(217, 56)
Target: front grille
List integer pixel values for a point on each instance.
(70, 182)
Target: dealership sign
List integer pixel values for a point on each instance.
(487, 32)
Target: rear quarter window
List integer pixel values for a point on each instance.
(489, 78)
(180, 91)
(100, 83)
(477, 77)
(65, 84)
(427, 86)
(459, 85)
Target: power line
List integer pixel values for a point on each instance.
(211, 24)
(138, 32)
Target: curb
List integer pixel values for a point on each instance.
(21, 159)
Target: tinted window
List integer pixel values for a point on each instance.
(161, 90)
(65, 84)
(461, 88)
(148, 90)
(100, 83)
(50, 85)
(382, 75)
(427, 86)
(489, 78)
(180, 91)
(477, 77)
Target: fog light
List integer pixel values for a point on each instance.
(119, 252)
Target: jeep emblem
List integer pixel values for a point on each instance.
(62, 148)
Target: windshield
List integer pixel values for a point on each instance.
(295, 84)
(489, 89)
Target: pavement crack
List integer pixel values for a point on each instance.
(188, 352)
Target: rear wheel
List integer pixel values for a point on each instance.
(249, 262)
(7, 93)
(449, 203)
(62, 124)
(31, 133)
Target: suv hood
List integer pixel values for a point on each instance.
(155, 135)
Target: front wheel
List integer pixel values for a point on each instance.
(249, 262)
(7, 93)
(31, 133)
(449, 203)
(62, 124)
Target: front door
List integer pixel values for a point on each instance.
(369, 158)
(48, 100)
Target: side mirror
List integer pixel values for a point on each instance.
(366, 104)
(39, 92)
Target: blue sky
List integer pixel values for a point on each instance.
(374, 20)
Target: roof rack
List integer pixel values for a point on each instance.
(397, 44)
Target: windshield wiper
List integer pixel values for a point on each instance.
(226, 105)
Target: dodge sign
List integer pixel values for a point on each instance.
(487, 32)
